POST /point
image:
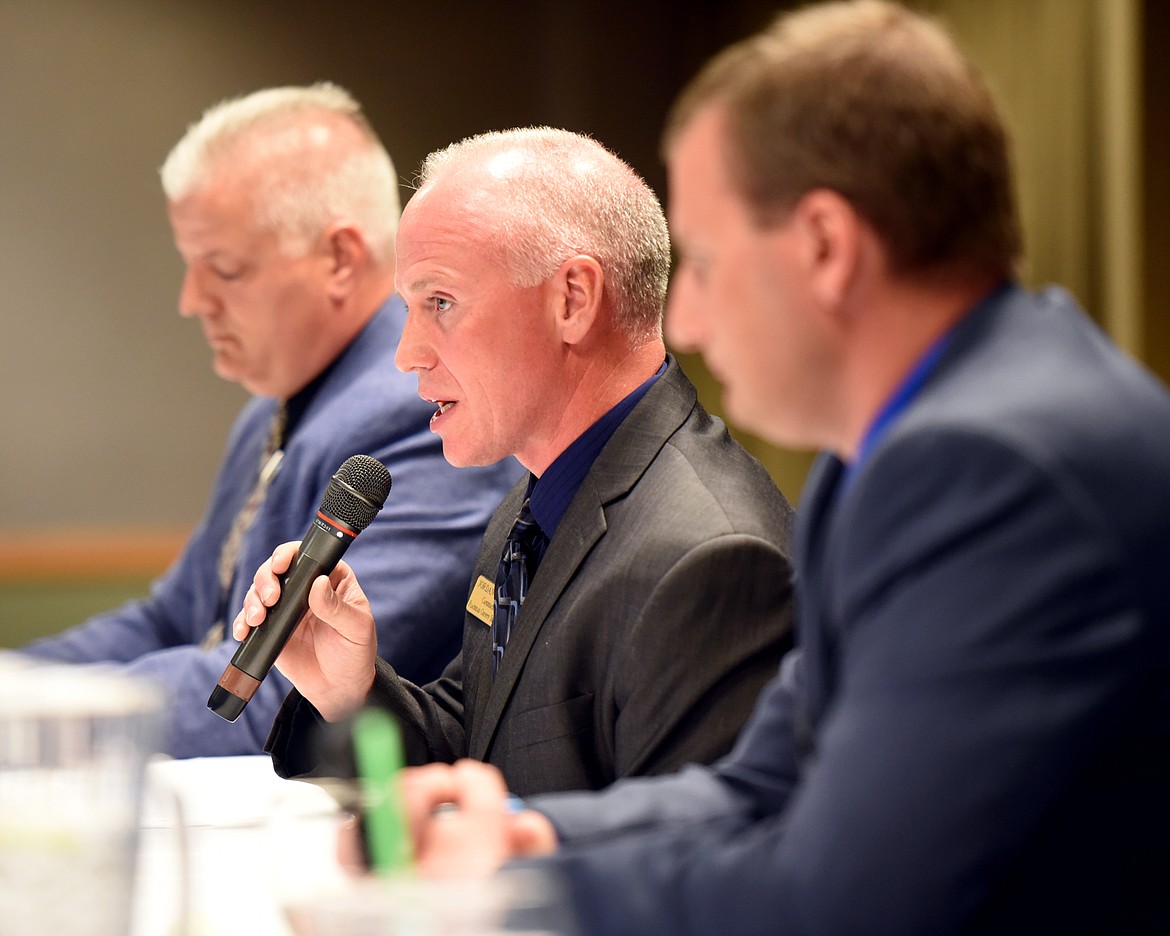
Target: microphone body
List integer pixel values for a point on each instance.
(354, 496)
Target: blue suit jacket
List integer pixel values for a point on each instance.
(413, 560)
(975, 735)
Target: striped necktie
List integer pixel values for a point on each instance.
(517, 568)
(229, 553)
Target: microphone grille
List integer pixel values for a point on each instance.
(357, 492)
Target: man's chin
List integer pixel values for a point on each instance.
(228, 370)
(737, 413)
(460, 458)
(749, 417)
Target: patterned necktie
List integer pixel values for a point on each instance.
(229, 553)
(517, 567)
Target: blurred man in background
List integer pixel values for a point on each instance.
(284, 206)
(973, 734)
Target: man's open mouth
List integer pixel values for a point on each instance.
(443, 407)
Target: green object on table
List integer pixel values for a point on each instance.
(378, 750)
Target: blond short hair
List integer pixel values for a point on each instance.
(295, 196)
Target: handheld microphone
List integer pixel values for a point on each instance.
(351, 501)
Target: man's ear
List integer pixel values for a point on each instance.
(833, 240)
(578, 288)
(347, 255)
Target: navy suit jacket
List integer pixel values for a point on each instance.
(413, 559)
(973, 734)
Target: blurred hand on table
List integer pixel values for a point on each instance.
(462, 823)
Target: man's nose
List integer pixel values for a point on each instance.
(194, 299)
(685, 322)
(415, 350)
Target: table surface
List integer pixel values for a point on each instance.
(225, 845)
(246, 838)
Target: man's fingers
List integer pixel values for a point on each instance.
(251, 613)
(327, 606)
(480, 786)
(340, 603)
(340, 573)
(264, 591)
(239, 627)
(424, 789)
(266, 582)
(459, 818)
(531, 835)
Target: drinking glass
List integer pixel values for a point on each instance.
(74, 741)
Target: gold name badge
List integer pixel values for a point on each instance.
(482, 602)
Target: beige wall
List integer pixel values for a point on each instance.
(1068, 74)
(111, 415)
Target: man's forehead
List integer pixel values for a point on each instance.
(441, 216)
(697, 165)
(199, 216)
(700, 146)
(437, 258)
(431, 205)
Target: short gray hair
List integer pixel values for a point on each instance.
(298, 197)
(560, 194)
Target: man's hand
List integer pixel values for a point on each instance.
(461, 822)
(330, 656)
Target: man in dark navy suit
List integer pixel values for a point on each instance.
(973, 732)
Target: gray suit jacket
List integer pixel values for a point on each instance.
(660, 609)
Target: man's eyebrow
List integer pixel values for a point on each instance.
(421, 285)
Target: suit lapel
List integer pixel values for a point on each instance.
(623, 460)
(815, 637)
(477, 637)
(823, 518)
(815, 519)
(582, 526)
